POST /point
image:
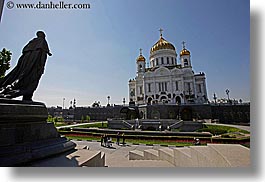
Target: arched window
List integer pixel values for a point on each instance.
(149, 101)
(178, 100)
(186, 63)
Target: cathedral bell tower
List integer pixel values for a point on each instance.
(185, 57)
(140, 63)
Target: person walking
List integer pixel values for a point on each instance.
(118, 138)
(123, 138)
(101, 140)
(105, 139)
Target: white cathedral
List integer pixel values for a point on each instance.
(165, 81)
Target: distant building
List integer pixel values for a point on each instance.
(166, 81)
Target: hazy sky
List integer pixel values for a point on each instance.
(95, 50)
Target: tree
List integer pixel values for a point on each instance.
(49, 119)
(88, 118)
(55, 120)
(5, 57)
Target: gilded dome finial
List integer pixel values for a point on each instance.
(161, 31)
(183, 44)
(184, 50)
(140, 57)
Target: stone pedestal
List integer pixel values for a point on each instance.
(25, 135)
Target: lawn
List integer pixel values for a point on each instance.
(219, 130)
(94, 125)
(57, 124)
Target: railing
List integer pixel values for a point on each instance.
(175, 125)
(128, 124)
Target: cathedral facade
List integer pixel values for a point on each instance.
(166, 81)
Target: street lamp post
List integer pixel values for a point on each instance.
(63, 108)
(108, 100)
(227, 93)
(214, 97)
(63, 102)
(123, 101)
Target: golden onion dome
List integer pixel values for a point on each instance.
(140, 58)
(162, 44)
(184, 52)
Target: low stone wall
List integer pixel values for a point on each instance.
(155, 124)
(224, 113)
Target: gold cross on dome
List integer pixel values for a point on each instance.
(161, 30)
(140, 51)
(183, 43)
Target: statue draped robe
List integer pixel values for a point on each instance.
(24, 78)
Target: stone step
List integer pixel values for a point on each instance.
(151, 154)
(205, 156)
(141, 163)
(212, 155)
(236, 155)
(166, 154)
(182, 157)
(136, 155)
(78, 147)
(150, 163)
(200, 156)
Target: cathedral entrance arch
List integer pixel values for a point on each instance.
(178, 100)
(163, 99)
(129, 113)
(186, 114)
(149, 100)
(155, 114)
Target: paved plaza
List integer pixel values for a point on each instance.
(118, 155)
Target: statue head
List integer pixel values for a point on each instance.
(41, 34)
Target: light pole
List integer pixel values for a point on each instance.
(227, 93)
(123, 101)
(214, 97)
(1, 9)
(63, 102)
(108, 100)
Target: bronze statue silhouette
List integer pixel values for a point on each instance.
(23, 80)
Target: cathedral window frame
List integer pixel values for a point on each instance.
(140, 89)
(177, 85)
(149, 87)
(200, 88)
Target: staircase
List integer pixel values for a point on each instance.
(212, 155)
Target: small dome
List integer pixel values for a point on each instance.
(140, 58)
(184, 52)
(162, 44)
